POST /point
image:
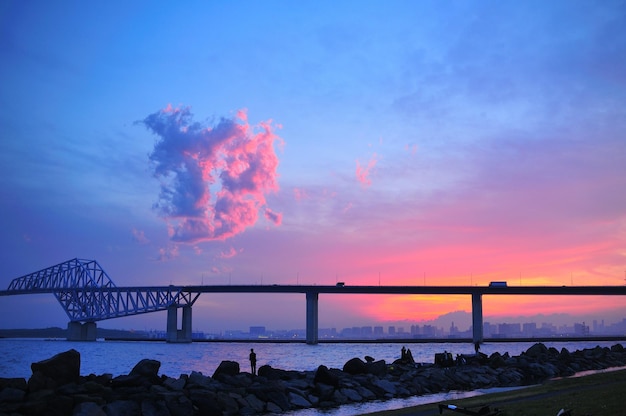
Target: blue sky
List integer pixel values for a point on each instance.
(419, 141)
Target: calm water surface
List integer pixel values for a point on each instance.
(119, 357)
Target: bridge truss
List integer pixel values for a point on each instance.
(87, 293)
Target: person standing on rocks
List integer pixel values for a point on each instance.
(253, 361)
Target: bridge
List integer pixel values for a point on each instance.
(88, 295)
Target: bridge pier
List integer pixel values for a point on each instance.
(173, 333)
(311, 317)
(477, 318)
(81, 332)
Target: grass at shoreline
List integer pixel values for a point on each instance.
(595, 394)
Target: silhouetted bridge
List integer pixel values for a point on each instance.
(88, 295)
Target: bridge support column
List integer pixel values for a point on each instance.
(173, 333)
(477, 318)
(311, 317)
(81, 332)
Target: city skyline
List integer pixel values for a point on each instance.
(404, 143)
(520, 327)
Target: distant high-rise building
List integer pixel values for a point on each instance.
(529, 329)
(581, 329)
(391, 331)
(429, 331)
(257, 331)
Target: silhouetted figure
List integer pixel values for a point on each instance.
(407, 356)
(253, 361)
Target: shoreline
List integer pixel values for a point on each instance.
(386, 340)
(553, 392)
(232, 391)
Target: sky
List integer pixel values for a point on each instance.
(374, 143)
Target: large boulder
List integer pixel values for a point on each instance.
(146, 368)
(229, 368)
(537, 350)
(377, 368)
(355, 366)
(325, 376)
(61, 369)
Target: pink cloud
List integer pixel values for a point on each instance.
(363, 172)
(275, 217)
(300, 194)
(235, 159)
(168, 253)
(411, 148)
(139, 236)
(228, 254)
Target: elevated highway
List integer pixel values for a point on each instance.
(88, 295)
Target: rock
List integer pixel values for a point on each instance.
(179, 405)
(200, 380)
(205, 401)
(352, 395)
(61, 369)
(298, 401)
(10, 394)
(254, 403)
(385, 385)
(339, 398)
(154, 408)
(324, 391)
(279, 398)
(229, 368)
(273, 408)
(175, 383)
(146, 368)
(227, 403)
(274, 373)
(496, 361)
(16, 383)
(129, 381)
(325, 376)
(355, 366)
(122, 408)
(88, 409)
(537, 350)
(377, 368)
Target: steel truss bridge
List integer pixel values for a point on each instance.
(87, 294)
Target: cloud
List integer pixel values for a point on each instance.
(213, 179)
(300, 194)
(168, 253)
(139, 236)
(363, 172)
(228, 254)
(275, 217)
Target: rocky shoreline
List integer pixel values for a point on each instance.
(57, 388)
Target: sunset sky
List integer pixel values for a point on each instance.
(271, 142)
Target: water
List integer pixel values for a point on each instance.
(119, 357)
